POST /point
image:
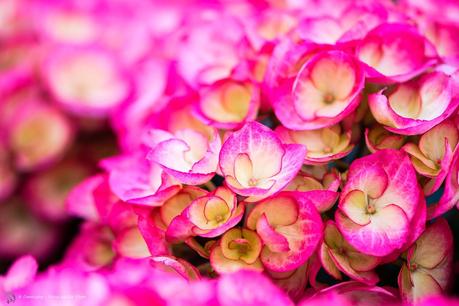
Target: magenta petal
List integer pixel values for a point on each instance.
(135, 180)
(250, 170)
(21, 273)
(381, 236)
(80, 201)
(273, 240)
(250, 288)
(154, 237)
(179, 229)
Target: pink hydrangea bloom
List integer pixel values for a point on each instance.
(208, 216)
(134, 179)
(248, 169)
(433, 155)
(325, 90)
(322, 145)
(381, 187)
(228, 103)
(416, 106)
(395, 52)
(188, 155)
(290, 228)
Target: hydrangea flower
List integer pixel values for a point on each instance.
(290, 237)
(326, 89)
(249, 171)
(381, 187)
(427, 270)
(434, 153)
(322, 145)
(395, 52)
(208, 216)
(416, 106)
(189, 156)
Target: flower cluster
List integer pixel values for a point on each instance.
(268, 152)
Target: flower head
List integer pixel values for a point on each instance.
(256, 164)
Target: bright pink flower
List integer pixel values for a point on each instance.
(176, 113)
(153, 232)
(428, 267)
(134, 179)
(176, 204)
(267, 26)
(80, 201)
(154, 225)
(395, 52)
(448, 11)
(216, 61)
(326, 89)
(433, 155)
(228, 103)
(86, 81)
(321, 30)
(256, 164)
(208, 216)
(352, 24)
(322, 145)
(443, 34)
(381, 187)
(416, 106)
(290, 228)
(188, 155)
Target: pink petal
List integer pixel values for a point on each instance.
(21, 273)
(386, 232)
(303, 237)
(249, 288)
(273, 240)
